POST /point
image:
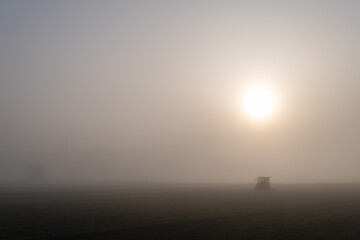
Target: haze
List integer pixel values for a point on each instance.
(147, 91)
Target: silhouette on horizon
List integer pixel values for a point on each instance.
(263, 183)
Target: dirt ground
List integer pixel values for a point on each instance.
(181, 211)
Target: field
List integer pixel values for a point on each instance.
(181, 211)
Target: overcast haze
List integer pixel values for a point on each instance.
(149, 90)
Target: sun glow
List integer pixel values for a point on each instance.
(259, 102)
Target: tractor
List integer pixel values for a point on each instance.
(263, 183)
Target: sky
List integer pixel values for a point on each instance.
(148, 91)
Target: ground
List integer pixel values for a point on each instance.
(181, 211)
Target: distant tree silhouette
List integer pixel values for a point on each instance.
(34, 172)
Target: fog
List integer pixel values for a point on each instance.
(148, 91)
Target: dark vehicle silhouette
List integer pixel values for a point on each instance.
(263, 184)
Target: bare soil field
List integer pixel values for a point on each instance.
(181, 211)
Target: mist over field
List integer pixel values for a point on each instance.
(148, 91)
(172, 120)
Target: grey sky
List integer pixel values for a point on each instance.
(146, 90)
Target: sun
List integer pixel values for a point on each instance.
(259, 102)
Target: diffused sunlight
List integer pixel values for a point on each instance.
(259, 102)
